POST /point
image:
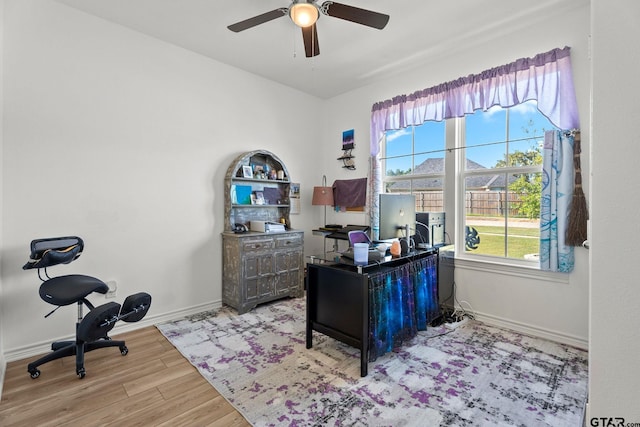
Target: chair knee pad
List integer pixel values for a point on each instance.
(135, 307)
(98, 322)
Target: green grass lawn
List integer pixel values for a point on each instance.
(521, 242)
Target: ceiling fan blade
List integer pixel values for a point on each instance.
(310, 37)
(355, 14)
(257, 20)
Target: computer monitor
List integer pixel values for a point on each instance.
(397, 216)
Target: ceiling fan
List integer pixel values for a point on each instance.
(305, 13)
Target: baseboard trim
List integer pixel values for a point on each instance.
(536, 331)
(151, 320)
(120, 328)
(3, 369)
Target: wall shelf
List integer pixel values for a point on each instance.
(347, 159)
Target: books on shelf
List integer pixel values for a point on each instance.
(243, 195)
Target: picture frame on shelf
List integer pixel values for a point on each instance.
(258, 171)
(247, 172)
(272, 195)
(259, 198)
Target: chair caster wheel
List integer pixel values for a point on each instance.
(35, 373)
(81, 373)
(124, 350)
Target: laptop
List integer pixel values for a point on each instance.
(359, 236)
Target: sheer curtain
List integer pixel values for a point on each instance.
(375, 188)
(546, 78)
(557, 194)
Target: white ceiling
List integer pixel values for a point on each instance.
(351, 55)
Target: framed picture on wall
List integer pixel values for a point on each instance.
(247, 172)
(347, 139)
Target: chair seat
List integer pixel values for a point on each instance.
(70, 289)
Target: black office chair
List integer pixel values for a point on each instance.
(92, 329)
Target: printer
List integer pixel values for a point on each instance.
(266, 226)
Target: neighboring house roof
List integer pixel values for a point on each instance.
(435, 166)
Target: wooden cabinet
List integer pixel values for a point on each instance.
(259, 267)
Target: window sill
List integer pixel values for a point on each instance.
(511, 270)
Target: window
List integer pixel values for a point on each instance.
(498, 158)
(413, 162)
(501, 178)
(547, 78)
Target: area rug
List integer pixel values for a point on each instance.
(471, 374)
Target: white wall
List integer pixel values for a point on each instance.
(124, 140)
(552, 309)
(614, 342)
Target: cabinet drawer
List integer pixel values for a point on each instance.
(257, 245)
(289, 241)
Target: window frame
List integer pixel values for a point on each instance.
(386, 179)
(461, 173)
(453, 178)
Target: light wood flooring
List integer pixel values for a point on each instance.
(153, 385)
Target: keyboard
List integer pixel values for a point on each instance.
(348, 228)
(344, 231)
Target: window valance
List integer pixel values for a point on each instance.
(547, 78)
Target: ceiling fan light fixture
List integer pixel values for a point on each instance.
(303, 13)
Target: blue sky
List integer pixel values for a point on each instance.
(525, 122)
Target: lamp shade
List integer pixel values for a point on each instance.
(322, 196)
(303, 14)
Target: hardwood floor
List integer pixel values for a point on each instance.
(153, 385)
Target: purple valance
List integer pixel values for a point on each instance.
(547, 78)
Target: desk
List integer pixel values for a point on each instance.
(337, 234)
(325, 234)
(376, 307)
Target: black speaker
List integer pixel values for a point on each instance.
(404, 246)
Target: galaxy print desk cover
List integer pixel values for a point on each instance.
(376, 307)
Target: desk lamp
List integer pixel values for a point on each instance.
(323, 196)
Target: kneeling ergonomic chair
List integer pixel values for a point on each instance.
(92, 329)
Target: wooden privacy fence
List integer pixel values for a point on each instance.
(484, 203)
(429, 201)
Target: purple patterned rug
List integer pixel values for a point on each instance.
(470, 374)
